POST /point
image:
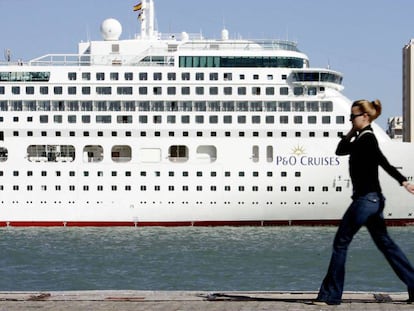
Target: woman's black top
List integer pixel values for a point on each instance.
(365, 157)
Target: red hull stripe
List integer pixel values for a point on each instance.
(390, 222)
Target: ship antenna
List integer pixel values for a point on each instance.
(7, 55)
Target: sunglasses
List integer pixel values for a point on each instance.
(353, 116)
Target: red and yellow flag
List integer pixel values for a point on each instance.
(138, 7)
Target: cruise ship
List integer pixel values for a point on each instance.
(179, 130)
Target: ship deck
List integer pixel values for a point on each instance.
(194, 300)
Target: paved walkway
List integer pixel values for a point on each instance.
(191, 300)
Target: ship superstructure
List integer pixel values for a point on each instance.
(178, 130)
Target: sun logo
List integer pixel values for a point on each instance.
(298, 151)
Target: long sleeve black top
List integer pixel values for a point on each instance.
(365, 157)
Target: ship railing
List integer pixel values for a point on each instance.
(61, 60)
(249, 45)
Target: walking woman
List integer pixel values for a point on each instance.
(367, 204)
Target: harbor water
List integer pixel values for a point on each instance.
(189, 258)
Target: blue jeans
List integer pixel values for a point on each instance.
(365, 210)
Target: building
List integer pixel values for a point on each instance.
(408, 91)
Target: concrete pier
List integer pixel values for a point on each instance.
(194, 300)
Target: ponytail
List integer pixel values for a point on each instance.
(373, 109)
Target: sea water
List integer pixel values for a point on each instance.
(189, 258)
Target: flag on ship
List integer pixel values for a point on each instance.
(138, 7)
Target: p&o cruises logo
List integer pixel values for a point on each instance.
(298, 156)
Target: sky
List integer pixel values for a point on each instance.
(362, 39)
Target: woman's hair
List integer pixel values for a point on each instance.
(373, 109)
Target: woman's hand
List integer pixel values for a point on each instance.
(409, 187)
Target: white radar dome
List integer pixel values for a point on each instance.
(111, 29)
(224, 34)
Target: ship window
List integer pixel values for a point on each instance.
(100, 76)
(185, 90)
(269, 188)
(86, 76)
(241, 119)
(29, 90)
(270, 91)
(213, 90)
(255, 119)
(255, 77)
(227, 188)
(44, 119)
(270, 119)
(72, 119)
(326, 119)
(124, 90)
(143, 76)
(241, 188)
(121, 153)
(269, 154)
(241, 90)
(171, 90)
(284, 91)
(255, 153)
(242, 77)
(227, 119)
(311, 134)
(312, 91)
(92, 153)
(213, 76)
(298, 106)
(206, 153)
(16, 90)
(171, 76)
(298, 90)
(128, 76)
(297, 119)
(213, 119)
(284, 106)
(157, 90)
(297, 188)
(157, 76)
(178, 153)
(185, 76)
(325, 189)
(284, 119)
(57, 119)
(72, 76)
(103, 119)
(327, 106)
(340, 120)
(199, 76)
(114, 76)
(325, 134)
(200, 90)
(103, 90)
(2, 90)
(283, 188)
(185, 119)
(124, 119)
(255, 90)
(312, 119)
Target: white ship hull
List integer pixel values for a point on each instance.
(124, 140)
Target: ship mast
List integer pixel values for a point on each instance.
(147, 20)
